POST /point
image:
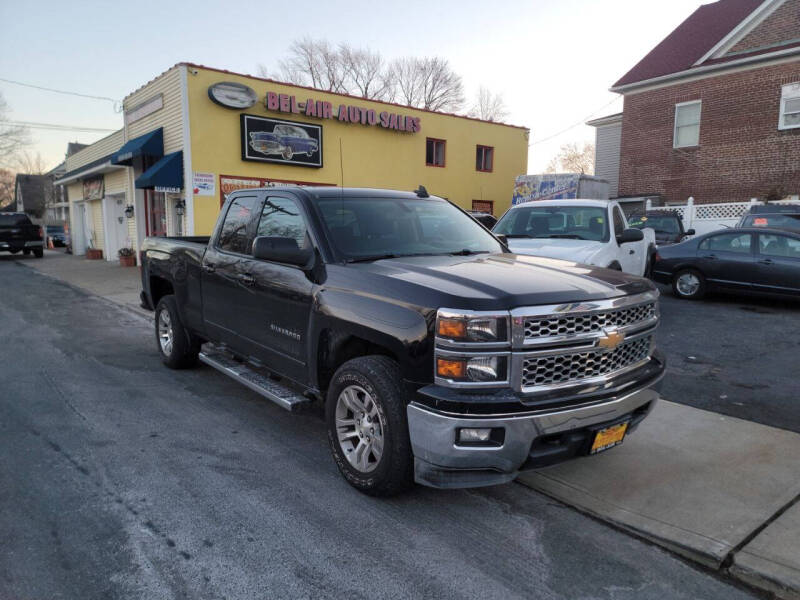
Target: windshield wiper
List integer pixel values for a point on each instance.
(514, 236)
(468, 252)
(564, 236)
(371, 258)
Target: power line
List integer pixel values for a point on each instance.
(57, 127)
(47, 89)
(578, 124)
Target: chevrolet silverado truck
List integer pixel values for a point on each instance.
(440, 357)
(594, 232)
(18, 234)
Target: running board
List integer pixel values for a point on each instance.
(261, 384)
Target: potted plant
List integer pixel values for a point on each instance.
(127, 257)
(93, 253)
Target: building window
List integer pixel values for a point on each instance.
(434, 152)
(687, 124)
(484, 159)
(483, 206)
(790, 107)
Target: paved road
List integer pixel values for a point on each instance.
(735, 356)
(121, 479)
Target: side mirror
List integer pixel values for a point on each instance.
(630, 235)
(282, 250)
(690, 232)
(501, 237)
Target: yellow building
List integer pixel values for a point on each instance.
(194, 134)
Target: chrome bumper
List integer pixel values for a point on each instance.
(440, 462)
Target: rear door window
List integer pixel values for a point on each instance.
(727, 242)
(235, 235)
(779, 246)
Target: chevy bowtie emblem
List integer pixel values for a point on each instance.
(611, 339)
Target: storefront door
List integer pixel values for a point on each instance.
(156, 208)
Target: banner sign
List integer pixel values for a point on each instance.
(203, 184)
(278, 141)
(345, 113)
(545, 187)
(148, 107)
(231, 183)
(93, 189)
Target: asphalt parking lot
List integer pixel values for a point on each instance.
(733, 355)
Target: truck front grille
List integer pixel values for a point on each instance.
(572, 368)
(551, 326)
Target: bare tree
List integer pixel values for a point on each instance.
(13, 138)
(314, 63)
(6, 188)
(489, 106)
(428, 83)
(366, 72)
(571, 159)
(29, 163)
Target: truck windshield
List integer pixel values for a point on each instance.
(566, 222)
(364, 229)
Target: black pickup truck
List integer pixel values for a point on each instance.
(440, 357)
(18, 234)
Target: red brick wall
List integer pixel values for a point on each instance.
(742, 154)
(781, 26)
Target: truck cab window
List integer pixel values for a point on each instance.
(234, 235)
(281, 217)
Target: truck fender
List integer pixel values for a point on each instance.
(401, 330)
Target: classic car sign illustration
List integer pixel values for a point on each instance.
(286, 140)
(277, 140)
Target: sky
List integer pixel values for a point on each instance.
(553, 61)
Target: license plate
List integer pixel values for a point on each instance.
(608, 438)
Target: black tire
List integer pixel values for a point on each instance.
(182, 352)
(26, 252)
(38, 252)
(379, 376)
(681, 291)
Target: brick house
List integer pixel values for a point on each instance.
(713, 111)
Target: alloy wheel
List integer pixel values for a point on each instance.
(688, 284)
(359, 428)
(165, 332)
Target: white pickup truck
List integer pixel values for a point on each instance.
(593, 232)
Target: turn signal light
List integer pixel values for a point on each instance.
(451, 369)
(452, 328)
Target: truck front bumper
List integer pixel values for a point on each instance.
(524, 442)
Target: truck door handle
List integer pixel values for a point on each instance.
(712, 257)
(766, 261)
(247, 279)
(209, 268)
(632, 252)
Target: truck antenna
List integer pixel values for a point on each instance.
(341, 161)
(421, 192)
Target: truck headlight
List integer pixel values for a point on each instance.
(471, 369)
(471, 328)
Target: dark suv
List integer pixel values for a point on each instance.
(774, 216)
(667, 224)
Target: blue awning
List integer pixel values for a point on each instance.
(150, 144)
(164, 176)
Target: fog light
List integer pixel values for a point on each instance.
(450, 369)
(482, 368)
(474, 436)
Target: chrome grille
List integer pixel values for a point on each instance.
(566, 325)
(572, 368)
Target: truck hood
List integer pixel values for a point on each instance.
(486, 282)
(579, 251)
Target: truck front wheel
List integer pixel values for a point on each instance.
(177, 347)
(365, 414)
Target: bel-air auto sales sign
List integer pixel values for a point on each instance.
(280, 141)
(343, 112)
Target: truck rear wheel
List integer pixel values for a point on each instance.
(365, 415)
(38, 252)
(177, 347)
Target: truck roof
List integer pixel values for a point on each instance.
(335, 192)
(564, 202)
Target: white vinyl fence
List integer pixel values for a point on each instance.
(704, 218)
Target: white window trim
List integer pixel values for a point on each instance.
(785, 96)
(675, 124)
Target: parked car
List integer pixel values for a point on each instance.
(286, 140)
(483, 218)
(668, 226)
(751, 260)
(593, 232)
(775, 216)
(57, 234)
(18, 234)
(440, 357)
